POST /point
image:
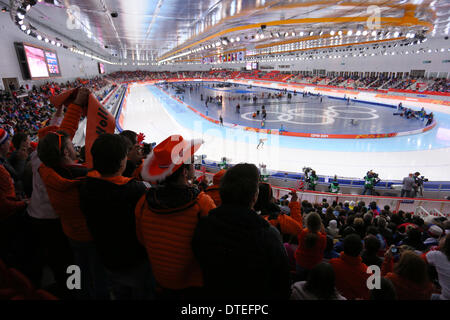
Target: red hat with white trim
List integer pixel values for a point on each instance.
(167, 157)
(3, 135)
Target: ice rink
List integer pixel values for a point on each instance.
(157, 115)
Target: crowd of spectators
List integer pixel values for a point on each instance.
(145, 228)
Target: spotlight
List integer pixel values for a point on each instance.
(349, 32)
(39, 37)
(396, 33)
(28, 31)
(364, 33)
(332, 32)
(301, 34)
(358, 33)
(46, 40)
(53, 42)
(20, 15)
(21, 22)
(238, 39)
(23, 27)
(311, 33)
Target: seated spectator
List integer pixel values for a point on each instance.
(369, 254)
(168, 214)
(332, 229)
(409, 275)
(233, 243)
(312, 242)
(385, 292)
(108, 200)
(329, 252)
(320, 285)
(213, 190)
(350, 271)
(440, 260)
(434, 233)
(414, 239)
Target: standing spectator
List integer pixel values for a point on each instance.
(408, 185)
(409, 275)
(168, 214)
(319, 286)
(240, 254)
(108, 200)
(440, 260)
(134, 156)
(350, 271)
(213, 190)
(312, 242)
(10, 206)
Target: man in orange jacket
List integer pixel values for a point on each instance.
(167, 215)
(350, 271)
(213, 190)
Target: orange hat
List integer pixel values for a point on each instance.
(167, 157)
(218, 176)
(44, 131)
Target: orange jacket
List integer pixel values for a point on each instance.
(167, 236)
(293, 224)
(65, 199)
(213, 192)
(351, 276)
(8, 202)
(406, 289)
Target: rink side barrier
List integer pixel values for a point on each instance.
(395, 203)
(430, 186)
(304, 134)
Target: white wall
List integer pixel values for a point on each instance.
(72, 65)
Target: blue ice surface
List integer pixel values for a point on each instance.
(424, 141)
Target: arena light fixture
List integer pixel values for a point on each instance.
(39, 37)
(53, 42)
(46, 40)
(311, 33)
(21, 22)
(332, 32)
(396, 33)
(28, 31)
(364, 33)
(340, 32)
(23, 27)
(231, 40)
(349, 32)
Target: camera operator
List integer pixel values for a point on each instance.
(310, 178)
(418, 180)
(408, 185)
(370, 180)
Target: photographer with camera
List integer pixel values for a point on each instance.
(311, 178)
(370, 180)
(418, 180)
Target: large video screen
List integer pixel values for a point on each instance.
(42, 62)
(248, 66)
(37, 63)
(255, 65)
(101, 68)
(52, 63)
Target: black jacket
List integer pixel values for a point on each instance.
(109, 211)
(241, 256)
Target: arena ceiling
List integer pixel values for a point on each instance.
(189, 30)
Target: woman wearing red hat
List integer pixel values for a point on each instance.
(167, 215)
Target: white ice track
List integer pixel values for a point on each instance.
(152, 118)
